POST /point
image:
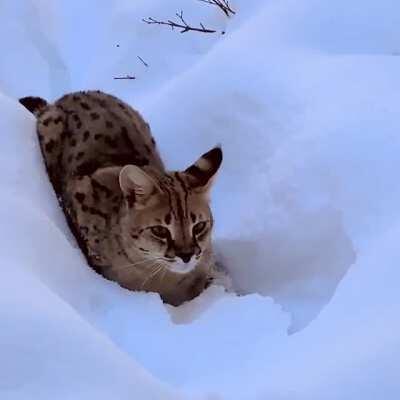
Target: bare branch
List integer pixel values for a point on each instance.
(181, 24)
(144, 62)
(125, 77)
(223, 5)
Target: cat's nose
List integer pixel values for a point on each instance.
(186, 257)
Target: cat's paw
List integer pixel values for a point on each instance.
(221, 277)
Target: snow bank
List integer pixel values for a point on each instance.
(304, 98)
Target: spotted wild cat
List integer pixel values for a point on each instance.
(137, 224)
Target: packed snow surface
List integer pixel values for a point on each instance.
(304, 97)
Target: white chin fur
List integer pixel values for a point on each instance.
(180, 267)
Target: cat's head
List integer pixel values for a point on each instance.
(167, 216)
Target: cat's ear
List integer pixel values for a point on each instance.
(202, 173)
(137, 185)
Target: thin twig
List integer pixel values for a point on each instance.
(144, 62)
(125, 77)
(183, 25)
(223, 5)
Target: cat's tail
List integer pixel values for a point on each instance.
(34, 104)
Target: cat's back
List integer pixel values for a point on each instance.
(97, 130)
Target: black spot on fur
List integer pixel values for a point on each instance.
(80, 197)
(98, 186)
(58, 120)
(77, 120)
(80, 155)
(86, 135)
(94, 116)
(67, 133)
(109, 124)
(72, 142)
(85, 106)
(98, 136)
(86, 168)
(130, 198)
(109, 141)
(94, 211)
(47, 121)
(50, 146)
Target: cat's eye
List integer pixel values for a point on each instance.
(199, 228)
(160, 231)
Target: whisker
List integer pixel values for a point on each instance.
(122, 267)
(153, 274)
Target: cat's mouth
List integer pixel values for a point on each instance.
(180, 267)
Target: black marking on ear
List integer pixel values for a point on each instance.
(193, 217)
(33, 104)
(202, 176)
(168, 218)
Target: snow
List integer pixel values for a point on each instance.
(304, 98)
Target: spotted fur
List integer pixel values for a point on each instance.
(137, 224)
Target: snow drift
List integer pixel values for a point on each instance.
(304, 98)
